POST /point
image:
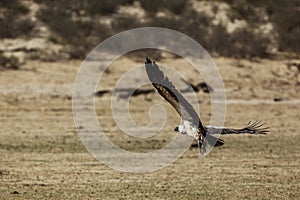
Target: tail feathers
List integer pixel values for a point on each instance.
(213, 141)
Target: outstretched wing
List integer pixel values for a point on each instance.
(252, 128)
(167, 90)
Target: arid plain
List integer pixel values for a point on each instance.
(42, 156)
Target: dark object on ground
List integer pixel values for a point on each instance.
(276, 99)
(197, 88)
(100, 93)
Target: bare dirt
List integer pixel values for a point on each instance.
(42, 156)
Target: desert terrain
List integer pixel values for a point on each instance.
(42, 156)
(255, 45)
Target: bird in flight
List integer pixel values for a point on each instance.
(190, 121)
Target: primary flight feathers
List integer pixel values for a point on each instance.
(191, 123)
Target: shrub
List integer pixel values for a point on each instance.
(246, 44)
(151, 7)
(175, 6)
(220, 41)
(286, 17)
(123, 23)
(191, 23)
(96, 7)
(10, 62)
(13, 28)
(61, 23)
(14, 5)
(76, 24)
(13, 23)
(78, 36)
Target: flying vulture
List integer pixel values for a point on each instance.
(190, 121)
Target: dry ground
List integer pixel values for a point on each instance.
(42, 156)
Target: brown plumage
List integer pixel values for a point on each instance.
(191, 123)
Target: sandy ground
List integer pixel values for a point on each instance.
(42, 156)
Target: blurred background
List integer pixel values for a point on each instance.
(52, 30)
(254, 43)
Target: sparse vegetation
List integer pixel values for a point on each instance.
(187, 23)
(79, 25)
(175, 6)
(246, 44)
(61, 23)
(286, 18)
(73, 28)
(96, 7)
(284, 15)
(9, 62)
(242, 43)
(220, 41)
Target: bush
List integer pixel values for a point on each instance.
(12, 22)
(77, 24)
(151, 7)
(78, 36)
(175, 6)
(191, 23)
(246, 44)
(14, 5)
(220, 41)
(286, 17)
(96, 7)
(90, 7)
(61, 23)
(124, 23)
(9, 62)
(13, 28)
